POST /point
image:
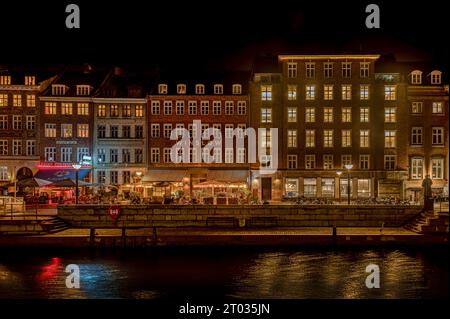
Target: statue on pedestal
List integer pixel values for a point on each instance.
(427, 196)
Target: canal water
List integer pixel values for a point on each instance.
(225, 272)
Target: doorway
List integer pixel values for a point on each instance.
(266, 186)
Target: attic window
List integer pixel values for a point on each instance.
(218, 89)
(58, 89)
(30, 80)
(83, 89)
(134, 91)
(237, 89)
(5, 80)
(181, 89)
(199, 89)
(162, 88)
(416, 77)
(436, 77)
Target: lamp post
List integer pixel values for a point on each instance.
(77, 167)
(138, 180)
(348, 167)
(339, 173)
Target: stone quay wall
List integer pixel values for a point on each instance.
(238, 216)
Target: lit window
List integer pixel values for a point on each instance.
(50, 130)
(364, 138)
(328, 92)
(3, 100)
(364, 114)
(181, 89)
(390, 92)
(83, 109)
(390, 114)
(31, 100)
(5, 80)
(114, 110)
(292, 138)
(310, 92)
(346, 138)
(50, 108)
(17, 100)
(328, 138)
(66, 108)
(162, 89)
(328, 115)
(83, 89)
(310, 138)
(310, 115)
(66, 130)
(437, 108)
(346, 92)
(437, 168)
(310, 187)
(30, 80)
(139, 111)
(292, 114)
(346, 115)
(364, 92)
(390, 139)
(292, 92)
(416, 107)
(266, 92)
(266, 115)
(416, 168)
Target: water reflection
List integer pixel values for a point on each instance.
(230, 272)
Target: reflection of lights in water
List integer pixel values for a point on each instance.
(50, 271)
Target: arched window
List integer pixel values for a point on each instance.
(416, 77)
(436, 77)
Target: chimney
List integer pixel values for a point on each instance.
(117, 71)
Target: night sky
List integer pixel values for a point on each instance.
(217, 34)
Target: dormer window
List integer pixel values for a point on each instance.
(218, 89)
(199, 89)
(416, 77)
(30, 80)
(436, 77)
(58, 89)
(237, 89)
(181, 89)
(162, 89)
(83, 89)
(5, 80)
(134, 91)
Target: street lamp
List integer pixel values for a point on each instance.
(77, 167)
(348, 167)
(339, 173)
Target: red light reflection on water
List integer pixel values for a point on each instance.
(49, 272)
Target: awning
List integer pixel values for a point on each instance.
(231, 176)
(164, 175)
(60, 174)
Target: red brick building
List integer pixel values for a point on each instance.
(218, 101)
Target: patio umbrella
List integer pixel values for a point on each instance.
(30, 182)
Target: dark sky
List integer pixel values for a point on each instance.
(217, 33)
